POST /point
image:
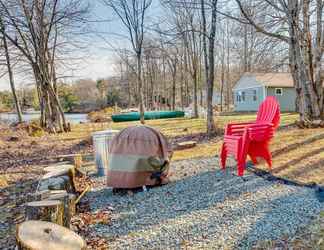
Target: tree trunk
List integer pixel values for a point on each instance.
(181, 83)
(228, 87)
(209, 64)
(140, 88)
(174, 75)
(11, 78)
(308, 99)
(222, 73)
(245, 50)
(187, 92)
(195, 92)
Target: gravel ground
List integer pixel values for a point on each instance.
(204, 208)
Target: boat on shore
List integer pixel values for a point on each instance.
(149, 115)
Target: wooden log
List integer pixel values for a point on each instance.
(68, 201)
(40, 195)
(55, 183)
(77, 161)
(68, 157)
(63, 168)
(59, 171)
(186, 144)
(40, 235)
(46, 210)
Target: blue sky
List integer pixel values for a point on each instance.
(98, 60)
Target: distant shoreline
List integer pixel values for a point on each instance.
(38, 112)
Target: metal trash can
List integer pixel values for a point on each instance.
(101, 142)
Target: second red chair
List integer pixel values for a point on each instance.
(251, 138)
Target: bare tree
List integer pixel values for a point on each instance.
(306, 46)
(10, 73)
(35, 29)
(132, 15)
(209, 61)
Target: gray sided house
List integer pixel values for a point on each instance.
(253, 88)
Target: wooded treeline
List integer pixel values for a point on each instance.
(193, 53)
(41, 33)
(186, 54)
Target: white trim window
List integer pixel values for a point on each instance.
(278, 91)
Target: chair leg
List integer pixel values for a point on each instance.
(254, 160)
(241, 167)
(268, 157)
(223, 156)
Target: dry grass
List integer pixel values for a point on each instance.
(282, 139)
(170, 127)
(305, 163)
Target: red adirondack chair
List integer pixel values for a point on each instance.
(252, 138)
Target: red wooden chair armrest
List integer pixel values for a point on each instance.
(260, 125)
(237, 128)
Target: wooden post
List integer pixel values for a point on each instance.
(46, 210)
(68, 201)
(77, 161)
(37, 235)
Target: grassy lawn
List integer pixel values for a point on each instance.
(169, 127)
(304, 163)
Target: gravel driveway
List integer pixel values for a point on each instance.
(203, 208)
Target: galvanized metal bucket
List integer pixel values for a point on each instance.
(101, 142)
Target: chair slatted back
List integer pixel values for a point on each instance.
(269, 111)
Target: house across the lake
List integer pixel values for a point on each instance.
(253, 88)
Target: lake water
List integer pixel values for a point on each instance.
(12, 117)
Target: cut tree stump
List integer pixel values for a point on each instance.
(68, 201)
(41, 235)
(46, 210)
(186, 144)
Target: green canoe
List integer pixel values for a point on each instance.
(150, 115)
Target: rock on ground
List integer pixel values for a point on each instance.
(204, 208)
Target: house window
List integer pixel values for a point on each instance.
(243, 96)
(238, 97)
(278, 91)
(254, 95)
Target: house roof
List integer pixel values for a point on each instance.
(264, 79)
